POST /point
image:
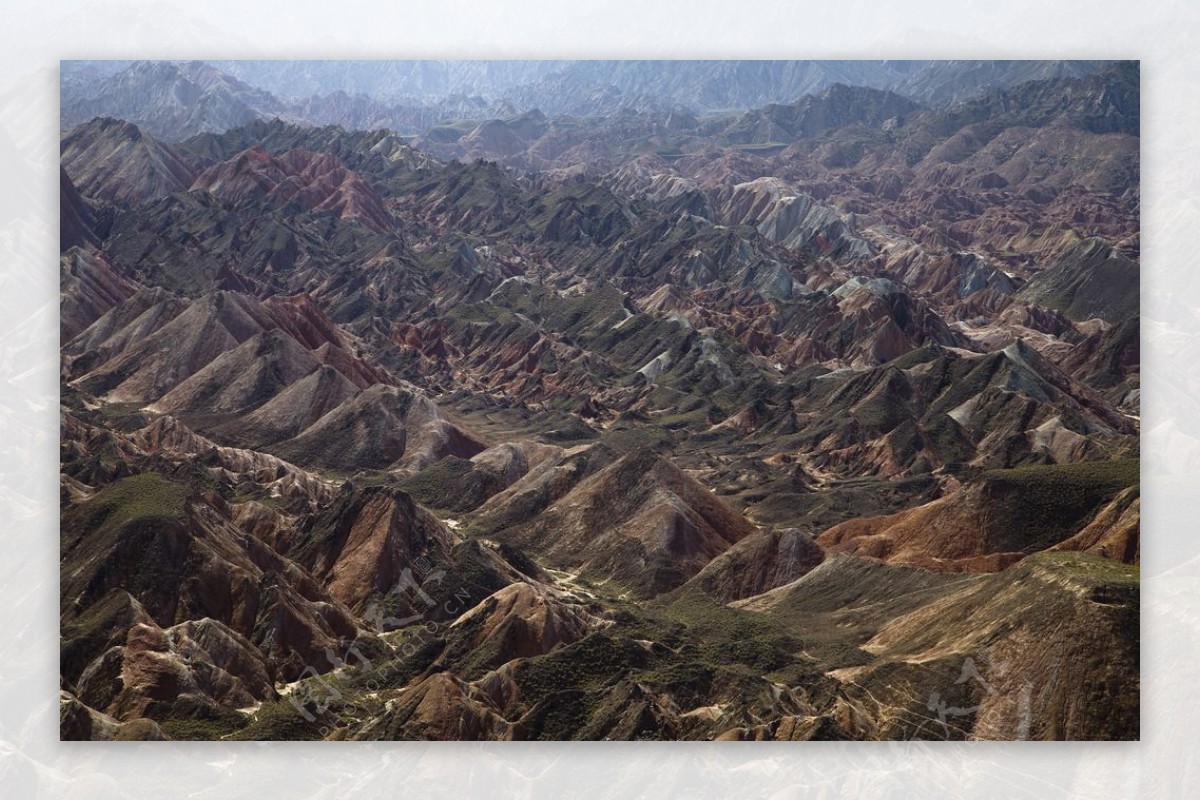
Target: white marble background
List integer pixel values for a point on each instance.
(36, 35)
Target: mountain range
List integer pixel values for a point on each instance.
(175, 99)
(600, 400)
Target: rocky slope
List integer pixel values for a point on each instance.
(112, 160)
(995, 521)
(640, 522)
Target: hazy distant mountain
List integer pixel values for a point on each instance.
(705, 86)
(951, 82)
(174, 100)
(169, 100)
(391, 81)
(558, 86)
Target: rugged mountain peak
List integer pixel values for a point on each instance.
(523, 620)
(113, 160)
(171, 100)
(241, 379)
(222, 345)
(143, 534)
(393, 561)
(314, 182)
(395, 427)
(145, 369)
(441, 707)
(292, 410)
(361, 546)
(759, 563)
(641, 522)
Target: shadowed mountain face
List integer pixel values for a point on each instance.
(586, 400)
(113, 160)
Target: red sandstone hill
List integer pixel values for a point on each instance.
(312, 182)
(641, 523)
